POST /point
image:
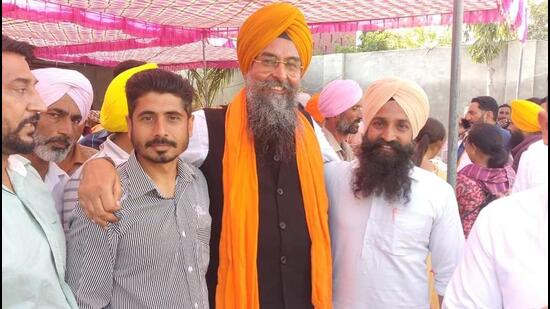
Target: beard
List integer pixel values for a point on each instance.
(382, 173)
(345, 127)
(272, 119)
(12, 142)
(158, 156)
(49, 154)
(516, 137)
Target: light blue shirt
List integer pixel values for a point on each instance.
(33, 243)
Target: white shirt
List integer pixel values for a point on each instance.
(197, 151)
(55, 181)
(379, 249)
(533, 167)
(505, 261)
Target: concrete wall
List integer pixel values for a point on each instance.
(431, 68)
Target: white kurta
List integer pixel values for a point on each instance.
(505, 261)
(533, 168)
(379, 249)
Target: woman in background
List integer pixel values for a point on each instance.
(428, 144)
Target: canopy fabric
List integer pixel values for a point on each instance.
(171, 32)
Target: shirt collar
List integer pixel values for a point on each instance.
(145, 183)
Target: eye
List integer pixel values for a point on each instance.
(377, 124)
(146, 118)
(269, 62)
(293, 65)
(173, 117)
(21, 90)
(403, 126)
(76, 121)
(54, 115)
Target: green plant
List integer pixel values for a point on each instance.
(208, 83)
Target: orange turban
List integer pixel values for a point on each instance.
(408, 95)
(525, 115)
(312, 107)
(267, 24)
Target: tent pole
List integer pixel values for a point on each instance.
(204, 77)
(518, 85)
(458, 14)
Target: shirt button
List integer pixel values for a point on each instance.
(283, 259)
(183, 233)
(282, 225)
(190, 269)
(280, 191)
(276, 158)
(196, 305)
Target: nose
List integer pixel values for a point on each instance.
(35, 103)
(280, 72)
(389, 135)
(160, 128)
(65, 126)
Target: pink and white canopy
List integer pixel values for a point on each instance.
(177, 33)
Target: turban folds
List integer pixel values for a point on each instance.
(115, 105)
(339, 96)
(525, 115)
(408, 95)
(54, 83)
(312, 107)
(267, 24)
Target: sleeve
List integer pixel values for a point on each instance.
(197, 150)
(474, 283)
(327, 151)
(91, 254)
(446, 240)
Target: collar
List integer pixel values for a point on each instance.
(145, 184)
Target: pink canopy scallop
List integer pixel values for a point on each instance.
(180, 34)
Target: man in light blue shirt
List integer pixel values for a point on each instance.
(33, 244)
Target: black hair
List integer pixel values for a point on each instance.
(159, 81)
(504, 106)
(126, 65)
(432, 132)
(24, 49)
(536, 100)
(488, 139)
(487, 104)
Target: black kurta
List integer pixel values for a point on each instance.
(284, 257)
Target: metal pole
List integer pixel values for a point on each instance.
(518, 85)
(458, 12)
(204, 78)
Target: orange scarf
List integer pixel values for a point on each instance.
(237, 274)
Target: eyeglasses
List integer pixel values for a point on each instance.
(293, 67)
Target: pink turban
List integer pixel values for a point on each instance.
(410, 97)
(339, 96)
(54, 83)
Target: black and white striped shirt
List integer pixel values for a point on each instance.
(155, 256)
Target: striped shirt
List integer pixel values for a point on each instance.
(155, 256)
(70, 193)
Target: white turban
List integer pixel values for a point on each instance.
(408, 95)
(54, 83)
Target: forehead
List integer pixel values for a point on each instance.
(15, 66)
(391, 111)
(67, 104)
(473, 106)
(159, 103)
(282, 48)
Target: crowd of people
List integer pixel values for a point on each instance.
(281, 199)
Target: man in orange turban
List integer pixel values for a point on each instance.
(270, 245)
(385, 214)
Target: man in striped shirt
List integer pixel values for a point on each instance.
(157, 254)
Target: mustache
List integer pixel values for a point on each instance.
(381, 143)
(32, 120)
(62, 139)
(273, 83)
(160, 141)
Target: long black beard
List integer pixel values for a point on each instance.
(272, 119)
(384, 173)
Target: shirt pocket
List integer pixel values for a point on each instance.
(404, 233)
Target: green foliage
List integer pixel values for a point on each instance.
(538, 20)
(208, 84)
(400, 39)
(489, 41)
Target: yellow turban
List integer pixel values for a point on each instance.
(525, 115)
(267, 24)
(115, 106)
(410, 97)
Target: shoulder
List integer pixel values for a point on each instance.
(508, 210)
(335, 170)
(426, 180)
